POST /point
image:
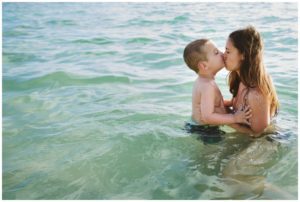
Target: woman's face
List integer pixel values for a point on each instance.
(232, 57)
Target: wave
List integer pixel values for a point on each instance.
(16, 57)
(59, 79)
(155, 22)
(97, 41)
(140, 40)
(137, 56)
(61, 22)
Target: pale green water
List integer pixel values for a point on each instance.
(95, 97)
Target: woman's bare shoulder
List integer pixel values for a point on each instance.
(256, 94)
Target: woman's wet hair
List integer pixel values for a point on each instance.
(252, 71)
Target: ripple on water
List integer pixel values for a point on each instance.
(60, 79)
(95, 97)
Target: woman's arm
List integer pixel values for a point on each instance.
(260, 119)
(242, 129)
(260, 111)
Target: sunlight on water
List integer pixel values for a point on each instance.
(96, 95)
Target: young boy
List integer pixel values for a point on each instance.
(208, 108)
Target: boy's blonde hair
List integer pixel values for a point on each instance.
(194, 53)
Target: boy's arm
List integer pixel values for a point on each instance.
(208, 116)
(228, 103)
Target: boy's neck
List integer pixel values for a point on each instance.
(207, 76)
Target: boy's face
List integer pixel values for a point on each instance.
(214, 56)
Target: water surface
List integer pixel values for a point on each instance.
(95, 97)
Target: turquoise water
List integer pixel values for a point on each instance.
(95, 97)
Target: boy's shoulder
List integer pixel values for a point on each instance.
(202, 85)
(205, 82)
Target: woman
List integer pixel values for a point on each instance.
(250, 85)
(249, 82)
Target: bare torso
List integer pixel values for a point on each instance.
(199, 86)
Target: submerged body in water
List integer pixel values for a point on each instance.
(242, 162)
(207, 133)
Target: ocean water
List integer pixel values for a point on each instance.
(95, 97)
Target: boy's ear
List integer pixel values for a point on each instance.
(202, 65)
